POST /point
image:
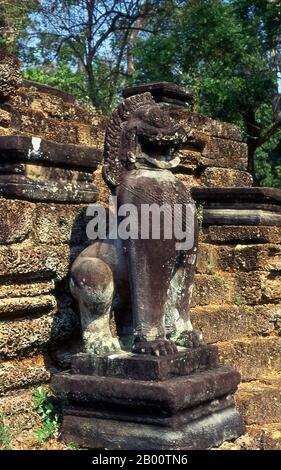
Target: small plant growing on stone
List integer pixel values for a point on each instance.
(211, 264)
(5, 435)
(46, 407)
(199, 210)
(217, 281)
(73, 446)
(238, 300)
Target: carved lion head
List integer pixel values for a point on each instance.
(140, 130)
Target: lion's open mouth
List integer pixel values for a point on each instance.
(161, 154)
(163, 162)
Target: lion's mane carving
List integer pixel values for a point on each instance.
(137, 119)
(146, 284)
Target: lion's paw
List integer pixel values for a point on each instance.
(100, 344)
(157, 347)
(189, 339)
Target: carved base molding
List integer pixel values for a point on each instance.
(195, 411)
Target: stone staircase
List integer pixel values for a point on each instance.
(237, 304)
(237, 298)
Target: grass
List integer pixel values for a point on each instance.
(5, 435)
(46, 406)
(217, 281)
(238, 300)
(211, 264)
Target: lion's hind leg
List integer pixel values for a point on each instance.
(92, 284)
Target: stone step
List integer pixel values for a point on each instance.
(49, 223)
(41, 111)
(205, 124)
(240, 234)
(57, 104)
(38, 169)
(239, 288)
(252, 357)
(213, 152)
(34, 123)
(258, 437)
(33, 149)
(267, 436)
(236, 195)
(20, 306)
(230, 322)
(260, 402)
(238, 258)
(213, 176)
(22, 374)
(34, 324)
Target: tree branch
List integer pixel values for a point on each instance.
(269, 133)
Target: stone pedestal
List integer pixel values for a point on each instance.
(137, 402)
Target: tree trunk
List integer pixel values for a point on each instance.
(254, 133)
(92, 92)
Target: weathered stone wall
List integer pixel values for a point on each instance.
(237, 295)
(38, 241)
(237, 304)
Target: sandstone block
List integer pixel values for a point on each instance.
(35, 123)
(225, 153)
(188, 180)
(51, 105)
(228, 322)
(10, 307)
(15, 220)
(44, 321)
(58, 223)
(265, 436)
(207, 262)
(272, 287)
(209, 126)
(252, 357)
(21, 374)
(5, 118)
(265, 257)
(239, 289)
(18, 410)
(10, 76)
(223, 177)
(212, 290)
(241, 234)
(25, 336)
(259, 403)
(35, 262)
(25, 289)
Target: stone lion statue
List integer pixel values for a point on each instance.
(146, 284)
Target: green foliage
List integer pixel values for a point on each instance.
(13, 22)
(211, 264)
(46, 407)
(59, 76)
(238, 300)
(73, 446)
(217, 281)
(5, 435)
(228, 53)
(92, 39)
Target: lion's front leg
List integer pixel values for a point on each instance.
(149, 265)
